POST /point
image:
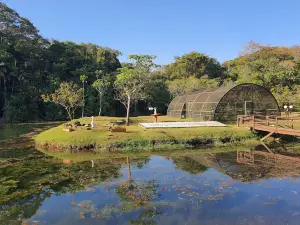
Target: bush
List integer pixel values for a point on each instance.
(77, 123)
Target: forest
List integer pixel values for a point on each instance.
(32, 67)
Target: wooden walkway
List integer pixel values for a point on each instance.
(269, 124)
(276, 130)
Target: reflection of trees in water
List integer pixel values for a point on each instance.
(139, 192)
(273, 165)
(248, 166)
(147, 217)
(142, 162)
(135, 194)
(226, 163)
(188, 164)
(25, 184)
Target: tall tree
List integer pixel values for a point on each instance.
(31, 65)
(276, 68)
(187, 85)
(22, 60)
(83, 79)
(131, 83)
(101, 85)
(194, 64)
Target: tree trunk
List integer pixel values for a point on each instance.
(128, 110)
(100, 100)
(69, 113)
(82, 113)
(13, 84)
(129, 169)
(5, 90)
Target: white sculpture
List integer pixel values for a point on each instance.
(92, 123)
(153, 108)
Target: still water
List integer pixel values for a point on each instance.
(240, 187)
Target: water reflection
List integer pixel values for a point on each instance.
(241, 187)
(31, 177)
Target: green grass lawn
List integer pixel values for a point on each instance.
(135, 137)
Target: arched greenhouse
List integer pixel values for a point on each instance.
(224, 103)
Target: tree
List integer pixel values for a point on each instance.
(31, 65)
(251, 48)
(83, 79)
(186, 85)
(21, 60)
(101, 85)
(69, 95)
(276, 68)
(194, 64)
(132, 80)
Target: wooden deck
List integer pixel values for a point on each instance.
(276, 130)
(270, 124)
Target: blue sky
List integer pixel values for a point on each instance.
(165, 28)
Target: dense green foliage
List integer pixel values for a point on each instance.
(32, 66)
(68, 96)
(276, 68)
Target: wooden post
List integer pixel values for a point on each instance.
(292, 123)
(238, 121)
(253, 120)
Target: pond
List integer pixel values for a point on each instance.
(237, 187)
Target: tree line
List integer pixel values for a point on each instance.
(35, 72)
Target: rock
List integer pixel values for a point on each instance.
(68, 129)
(118, 129)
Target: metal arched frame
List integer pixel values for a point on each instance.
(175, 104)
(253, 85)
(224, 103)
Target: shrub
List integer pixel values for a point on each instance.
(77, 123)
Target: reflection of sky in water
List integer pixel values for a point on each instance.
(204, 198)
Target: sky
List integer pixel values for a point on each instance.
(165, 28)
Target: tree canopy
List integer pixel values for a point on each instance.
(133, 80)
(31, 65)
(276, 68)
(196, 65)
(68, 96)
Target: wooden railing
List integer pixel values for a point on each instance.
(269, 120)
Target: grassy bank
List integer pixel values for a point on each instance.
(100, 139)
